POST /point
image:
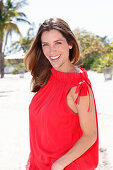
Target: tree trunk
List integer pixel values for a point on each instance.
(1, 61)
(2, 66)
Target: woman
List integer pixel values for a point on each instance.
(62, 113)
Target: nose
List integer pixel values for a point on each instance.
(52, 50)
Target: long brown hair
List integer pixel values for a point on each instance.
(37, 63)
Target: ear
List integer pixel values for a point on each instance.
(70, 46)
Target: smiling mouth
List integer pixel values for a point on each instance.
(55, 58)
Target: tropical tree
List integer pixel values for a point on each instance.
(90, 44)
(107, 43)
(10, 15)
(26, 42)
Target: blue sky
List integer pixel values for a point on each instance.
(93, 15)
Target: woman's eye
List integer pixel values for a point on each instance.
(58, 43)
(43, 45)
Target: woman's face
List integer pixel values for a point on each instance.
(56, 49)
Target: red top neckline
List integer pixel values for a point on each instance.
(67, 76)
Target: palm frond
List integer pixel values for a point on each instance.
(23, 20)
(21, 14)
(10, 16)
(11, 27)
(12, 13)
(19, 5)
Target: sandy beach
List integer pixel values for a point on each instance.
(15, 97)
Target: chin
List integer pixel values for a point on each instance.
(56, 68)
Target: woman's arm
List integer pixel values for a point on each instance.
(89, 129)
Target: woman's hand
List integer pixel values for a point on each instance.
(57, 166)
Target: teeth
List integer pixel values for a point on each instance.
(55, 57)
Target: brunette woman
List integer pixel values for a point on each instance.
(62, 114)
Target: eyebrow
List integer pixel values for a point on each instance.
(54, 41)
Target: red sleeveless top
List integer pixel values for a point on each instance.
(54, 127)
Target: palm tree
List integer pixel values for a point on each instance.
(9, 17)
(26, 41)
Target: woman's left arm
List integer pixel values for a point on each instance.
(89, 129)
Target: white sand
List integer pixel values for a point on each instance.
(15, 97)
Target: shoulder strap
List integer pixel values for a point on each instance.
(82, 90)
(82, 87)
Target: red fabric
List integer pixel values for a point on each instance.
(82, 89)
(54, 127)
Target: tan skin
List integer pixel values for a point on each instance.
(87, 119)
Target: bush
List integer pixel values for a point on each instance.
(102, 61)
(19, 69)
(107, 60)
(96, 65)
(88, 62)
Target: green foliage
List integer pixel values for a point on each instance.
(10, 15)
(107, 60)
(13, 62)
(87, 62)
(26, 42)
(107, 43)
(19, 69)
(96, 65)
(90, 44)
(102, 61)
(96, 51)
